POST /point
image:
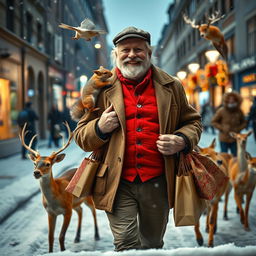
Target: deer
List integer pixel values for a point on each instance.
(210, 32)
(242, 177)
(211, 219)
(55, 199)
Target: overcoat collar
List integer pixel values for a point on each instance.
(163, 97)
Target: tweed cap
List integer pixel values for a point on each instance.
(130, 32)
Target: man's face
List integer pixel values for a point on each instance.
(133, 58)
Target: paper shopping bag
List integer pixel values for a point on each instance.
(82, 182)
(188, 206)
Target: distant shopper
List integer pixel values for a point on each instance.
(29, 116)
(54, 125)
(207, 115)
(229, 118)
(252, 117)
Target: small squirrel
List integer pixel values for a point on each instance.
(90, 91)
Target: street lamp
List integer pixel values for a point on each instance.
(193, 67)
(212, 55)
(83, 79)
(182, 75)
(97, 45)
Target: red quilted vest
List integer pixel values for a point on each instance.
(142, 130)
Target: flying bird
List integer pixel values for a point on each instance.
(86, 30)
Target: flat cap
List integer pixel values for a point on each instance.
(131, 32)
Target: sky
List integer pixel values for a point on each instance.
(149, 15)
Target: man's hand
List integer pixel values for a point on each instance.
(108, 120)
(169, 144)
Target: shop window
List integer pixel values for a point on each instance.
(39, 36)
(8, 109)
(29, 22)
(10, 14)
(231, 46)
(251, 36)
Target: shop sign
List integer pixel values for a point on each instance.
(243, 64)
(249, 78)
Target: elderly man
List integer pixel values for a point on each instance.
(144, 120)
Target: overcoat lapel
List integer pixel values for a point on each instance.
(115, 96)
(163, 98)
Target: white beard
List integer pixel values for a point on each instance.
(134, 72)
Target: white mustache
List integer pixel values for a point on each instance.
(129, 59)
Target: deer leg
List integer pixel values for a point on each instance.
(96, 233)
(239, 205)
(66, 221)
(51, 228)
(79, 212)
(246, 221)
(212, 223)
(207, 220)
(225, 215)
(199, 237)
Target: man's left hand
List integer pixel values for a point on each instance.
(169, 144)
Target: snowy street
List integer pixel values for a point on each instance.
(24, 224)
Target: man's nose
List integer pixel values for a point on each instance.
(132, 54)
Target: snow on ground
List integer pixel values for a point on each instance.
(25, 232)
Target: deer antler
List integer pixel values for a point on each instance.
(28, 147)
(213, 18)
(70, 136)
(189, 21)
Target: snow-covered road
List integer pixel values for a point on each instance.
(24, 233)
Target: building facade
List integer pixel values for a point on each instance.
(39, 62)
(181, 45)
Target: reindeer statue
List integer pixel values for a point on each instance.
(56, 200)
(211, 33)
(211, 220)
(242, 176)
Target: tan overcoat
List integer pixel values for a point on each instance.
(175, 116)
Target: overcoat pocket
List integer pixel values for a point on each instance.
(101, 180)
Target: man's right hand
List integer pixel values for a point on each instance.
(108, 120)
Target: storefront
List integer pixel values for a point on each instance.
(244, 80)
(56, 87)
(10, 98)
(247, 80)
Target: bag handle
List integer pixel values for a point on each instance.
(184, 164)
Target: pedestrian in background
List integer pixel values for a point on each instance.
(54, 126)
(252, 117)
(207, 115)
(229, 118)
(143, 121)
(28, 116)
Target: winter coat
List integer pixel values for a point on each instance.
(175, 116)
(228, 120)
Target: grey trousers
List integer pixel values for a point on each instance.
(140, 215)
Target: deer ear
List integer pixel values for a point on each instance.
(232, 134)
(59, 158)
(32, 157)
(213, 144)
(249, 133)
(197, 149)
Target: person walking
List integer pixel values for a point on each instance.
(28, 116)
(207, 115)
(229, 118)
(54, 126)
(252, 117)
(143, 122)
